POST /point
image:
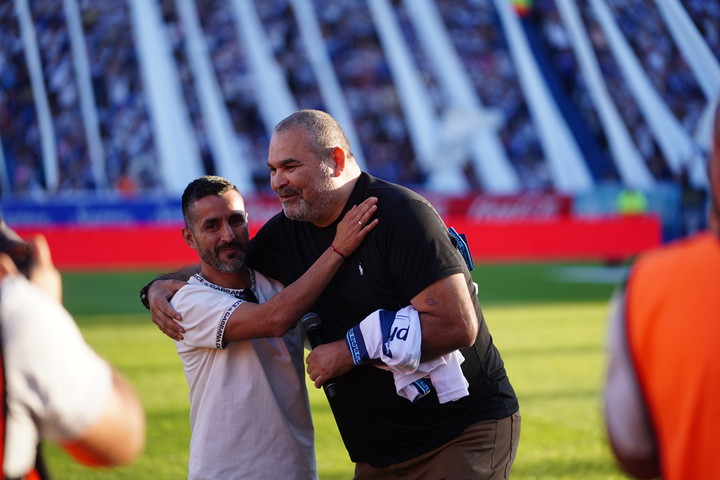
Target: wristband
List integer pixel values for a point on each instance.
(144, 295)
(356, 344)
(332, 247)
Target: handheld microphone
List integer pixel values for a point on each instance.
(310, 323)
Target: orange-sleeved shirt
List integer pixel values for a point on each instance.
(673, 328)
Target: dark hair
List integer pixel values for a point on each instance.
(203, 187)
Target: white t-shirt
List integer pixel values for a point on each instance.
(57, 386)
(249, 408)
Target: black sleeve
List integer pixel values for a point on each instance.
(265, 254)
(420, 248)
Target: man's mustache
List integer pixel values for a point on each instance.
(288, 191)
(230, 246)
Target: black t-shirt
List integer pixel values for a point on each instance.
(408, 251)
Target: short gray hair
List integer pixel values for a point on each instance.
(323, 131)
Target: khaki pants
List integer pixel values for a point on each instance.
(485, 450)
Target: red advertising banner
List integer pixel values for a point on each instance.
(510, 208)
(527, 227)
(160, 247)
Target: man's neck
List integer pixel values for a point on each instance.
(342, 195)
(237, 280)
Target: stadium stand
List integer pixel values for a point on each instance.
(131, 99)
(129, 150)
(60, 145)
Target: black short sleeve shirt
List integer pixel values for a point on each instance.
(408, 251)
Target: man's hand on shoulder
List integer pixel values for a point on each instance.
(161, 312)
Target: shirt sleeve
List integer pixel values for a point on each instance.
(262, 251)
(52, 373)
(205, 315)
(421, 249)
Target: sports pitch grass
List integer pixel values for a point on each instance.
(547, 320)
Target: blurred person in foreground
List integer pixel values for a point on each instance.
(408, 260)
(243, 360)
(662, 397)
(56, 387)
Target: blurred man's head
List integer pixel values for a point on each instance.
(216, 223)
(311, 166)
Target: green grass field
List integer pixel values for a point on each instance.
(548, 322)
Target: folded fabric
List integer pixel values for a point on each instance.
(395, 338)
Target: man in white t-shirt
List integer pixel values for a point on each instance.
(243, 360)
(57, 388)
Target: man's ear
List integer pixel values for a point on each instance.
(189, 238)
(338, 158)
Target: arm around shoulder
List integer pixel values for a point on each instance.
(156, 297)
(277, 315)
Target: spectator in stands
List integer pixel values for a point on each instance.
(56, 387)
(408, 259)
(631, 201)
(662, 397)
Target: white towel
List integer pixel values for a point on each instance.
(395, 338)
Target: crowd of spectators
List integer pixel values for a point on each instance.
(618, 90)
(706, 16)
(652, 44)
(363, 71)
(481, 43)
(432, 89)
(565, 67)
(286, 43)
(75, 170)
(19, 127)
(237, 85)
(176, 35)
(422, 61)
(650, 39)
(128, 146)
(641, 24)
(129, 154)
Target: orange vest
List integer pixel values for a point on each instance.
(673, 331)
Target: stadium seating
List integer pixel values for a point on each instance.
(102, 96)
(106, 99)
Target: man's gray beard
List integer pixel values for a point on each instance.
(231, 266)
(304, 211)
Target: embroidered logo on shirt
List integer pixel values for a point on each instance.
(360, 269)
